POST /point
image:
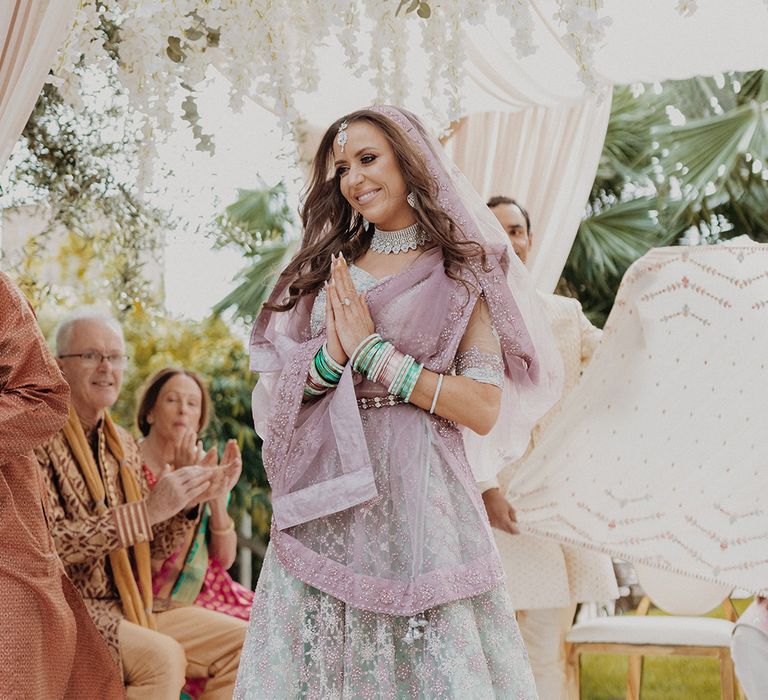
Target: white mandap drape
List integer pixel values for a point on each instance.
(31, 32)
(545, 158)
(659, 455)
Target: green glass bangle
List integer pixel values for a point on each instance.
(328, 359)
(407, 378)
(324, 372)
(359, 354)
(325, 369)
(414, 379)
(397, 382)
(318, 378)
(366, 357)
(373, 359)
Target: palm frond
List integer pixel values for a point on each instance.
(257, 281)
(704, 154)
(254, 218)
(609, 241)
(261, 210)
(626, 155)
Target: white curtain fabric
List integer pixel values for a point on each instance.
(30, 33)
(544, 157)
(658, 455)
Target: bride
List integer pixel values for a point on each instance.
(403, 325)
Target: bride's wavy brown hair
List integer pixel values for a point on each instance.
(331, 225)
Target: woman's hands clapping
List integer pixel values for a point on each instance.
(225, 473)
(348, 319)
(187, 449)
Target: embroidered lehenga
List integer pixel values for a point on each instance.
(378, 525)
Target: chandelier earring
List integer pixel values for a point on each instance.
(411, 199)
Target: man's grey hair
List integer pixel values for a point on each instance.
(66, 327)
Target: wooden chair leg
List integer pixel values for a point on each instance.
(572, 663)
(634, 677)
(727, 676)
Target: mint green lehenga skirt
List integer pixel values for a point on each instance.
(303, 643)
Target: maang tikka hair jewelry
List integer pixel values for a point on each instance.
(342, 138)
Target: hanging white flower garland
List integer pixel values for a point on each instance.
(268, 49)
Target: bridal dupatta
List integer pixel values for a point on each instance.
(380, 508)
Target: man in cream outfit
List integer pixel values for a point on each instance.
(546, 580)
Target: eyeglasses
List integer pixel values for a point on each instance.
(94, 359)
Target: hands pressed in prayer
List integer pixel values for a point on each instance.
(500, 512)
(348, 318)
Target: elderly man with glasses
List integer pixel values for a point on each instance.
(110, 529)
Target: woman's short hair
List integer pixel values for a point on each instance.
(151, 390)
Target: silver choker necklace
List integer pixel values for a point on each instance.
(400, 241)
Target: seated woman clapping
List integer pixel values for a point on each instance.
(173, 409)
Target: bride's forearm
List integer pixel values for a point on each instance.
(461, 399)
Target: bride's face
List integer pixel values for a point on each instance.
(370, 178)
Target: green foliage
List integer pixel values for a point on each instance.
(657, 179)
(256, 217)
(256, 281)
(604, 677)
(610, 239)
(259, 223)
(717, 157)
(626, 155)
(78, 170)
(421, 8)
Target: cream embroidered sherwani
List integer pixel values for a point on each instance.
(545, 579)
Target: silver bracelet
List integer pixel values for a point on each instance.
(437, 393)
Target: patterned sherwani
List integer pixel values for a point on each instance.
(49, 647)
(84, 539)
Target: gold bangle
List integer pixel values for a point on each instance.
(225, 530)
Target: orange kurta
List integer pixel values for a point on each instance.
(49, 648)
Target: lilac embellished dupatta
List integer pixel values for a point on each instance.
(379, 508)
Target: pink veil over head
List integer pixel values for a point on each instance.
(533, 366)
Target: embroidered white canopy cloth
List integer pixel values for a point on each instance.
(659, 455)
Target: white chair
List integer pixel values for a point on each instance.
(684, 633)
